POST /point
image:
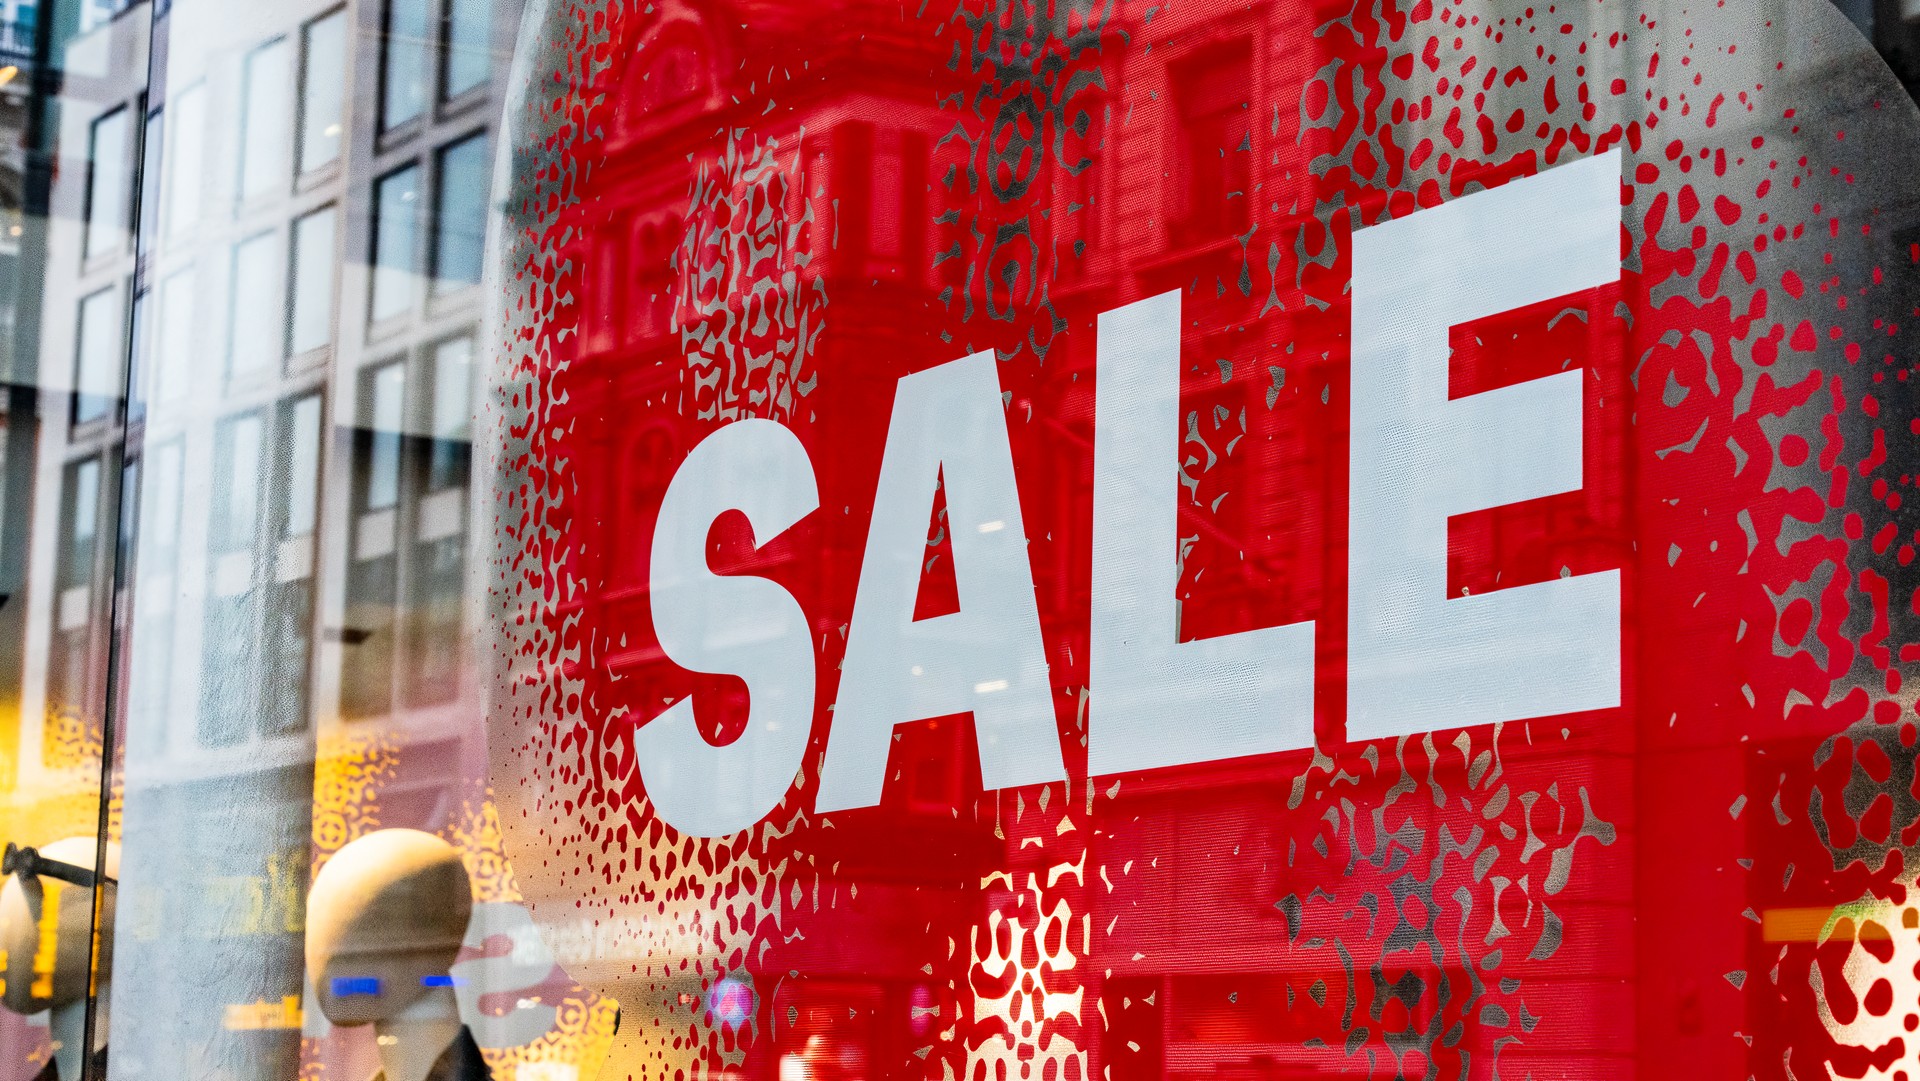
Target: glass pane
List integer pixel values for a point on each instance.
(303, 467)
(404, 65)
(451, 425)
(231, 636)
(460, 214)
(255, 330)
(266, 120)
(109, 185)
(174, 349)
(236, 505)
(99, 357)
(469, 45)
(184, 163)
(311, 287)
(322, 91)
(387, 426)
(396, 206)
(156, 536)
(151, 141)
(1013, 540)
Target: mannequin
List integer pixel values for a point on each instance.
(385, 920)
(46, 929)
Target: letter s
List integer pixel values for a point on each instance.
(731, 625)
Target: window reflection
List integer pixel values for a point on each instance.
(310, 286)
(323, 61)
(253, 338)
(367, 663)
(467, 49)
(404, 65)
(265, 119)
(396, 207)
(109, 185)
(184, 163)
(230, 634)
(97, 362)
(460, 213)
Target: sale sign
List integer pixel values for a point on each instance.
(1091, 539)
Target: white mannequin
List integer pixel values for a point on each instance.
(386, 913)
(49, 953)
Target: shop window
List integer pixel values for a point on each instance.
(395, 235)
(465, 48)
(323, 63)
(310, 282)
(265, 119)
(109, 183)
(404, 66)
(97, 357)
(460, 214)
(254, 317)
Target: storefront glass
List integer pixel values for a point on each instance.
(1005, 540)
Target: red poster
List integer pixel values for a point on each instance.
(1104, 540)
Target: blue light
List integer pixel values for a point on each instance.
(346, 986)
(730, 1001)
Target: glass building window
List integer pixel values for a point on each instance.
(97, 356)
(265, 119)
(460, 214)
(467, 28)
(396, 230)
(109, 184)
(404, 66)
(310, 283)
(254, 318)
(323, 65)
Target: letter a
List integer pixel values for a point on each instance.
(987, 658)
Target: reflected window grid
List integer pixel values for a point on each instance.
(323, 64)
(264, 120)
(109, 177)
(254, 320)
(97, 357)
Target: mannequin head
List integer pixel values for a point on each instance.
(46, 931)
(386, 914)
